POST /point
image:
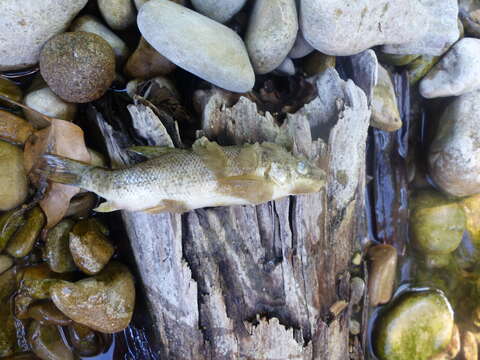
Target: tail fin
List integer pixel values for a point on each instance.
(63, 170)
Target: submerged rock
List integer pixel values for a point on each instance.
(454, 156)
(47, 343)
(103, 302)
(57, 251)
(78, 66)
(457, 73)
(220, 11)
(385, 113)
(271, 33)
(218, 55)
(437, 224)
(13, 182)
(419, 325)
(347, 28)
(26, 27)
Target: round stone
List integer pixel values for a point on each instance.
(418, 326)
(78, 66)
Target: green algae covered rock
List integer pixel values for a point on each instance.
(418, 326)
(437, 223)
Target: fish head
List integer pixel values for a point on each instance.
(293, 174)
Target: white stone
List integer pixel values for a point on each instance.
(454, 157)
(271, 33)
(341, 28)
(287, 67)
(220, 11)
(198, 44)
(91, 24)
(27, 25)
(457, 73)
(300, 48)
(442, 30)
(46, 102)
(119, 14)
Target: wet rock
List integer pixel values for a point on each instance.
(382, 272)
(47, 343)
(271, 33)
(91, 250)
(21, 243)
(300, 48)
(146, 63)
(10, 221)
(91, 24)
(357, 289)
(385, 113)
(26, 28)
(57, 250)
(119, 14)
(437, 224)
(8, 336)
(10, 90)
(13, 182)
(317, 63)
(46, 102)
(469, 346)
(78, 66)
(47, 313)
(218, 56)
(419, 67)
(454, 156)
(103, 302)
(6, 262)
(81, 205)
(442, 30)
(220, 11)
(419, 325)
(84, 340)
(347, 28)
(14, 129)
(395, 60)
(457, 73)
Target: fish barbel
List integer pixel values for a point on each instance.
(179, 180)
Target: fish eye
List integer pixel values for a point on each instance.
(302, 168)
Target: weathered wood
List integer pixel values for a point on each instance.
(259, 282)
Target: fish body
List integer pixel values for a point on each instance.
(207, 175)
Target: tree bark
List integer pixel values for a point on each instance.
(258, 282)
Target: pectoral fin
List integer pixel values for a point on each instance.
(212, 155)
(172, 206)
(107, 206)
(255, 190)
(151, 152)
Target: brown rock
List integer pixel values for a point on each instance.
(78, 66)
(103, 302)
(382, 271)
(146, 62)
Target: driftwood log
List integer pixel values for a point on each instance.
(258, 282)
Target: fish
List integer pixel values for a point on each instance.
(179, 180)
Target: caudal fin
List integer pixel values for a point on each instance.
(63, 170)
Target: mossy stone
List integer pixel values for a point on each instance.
(437, 223)
(78, 66)
(418, 326)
